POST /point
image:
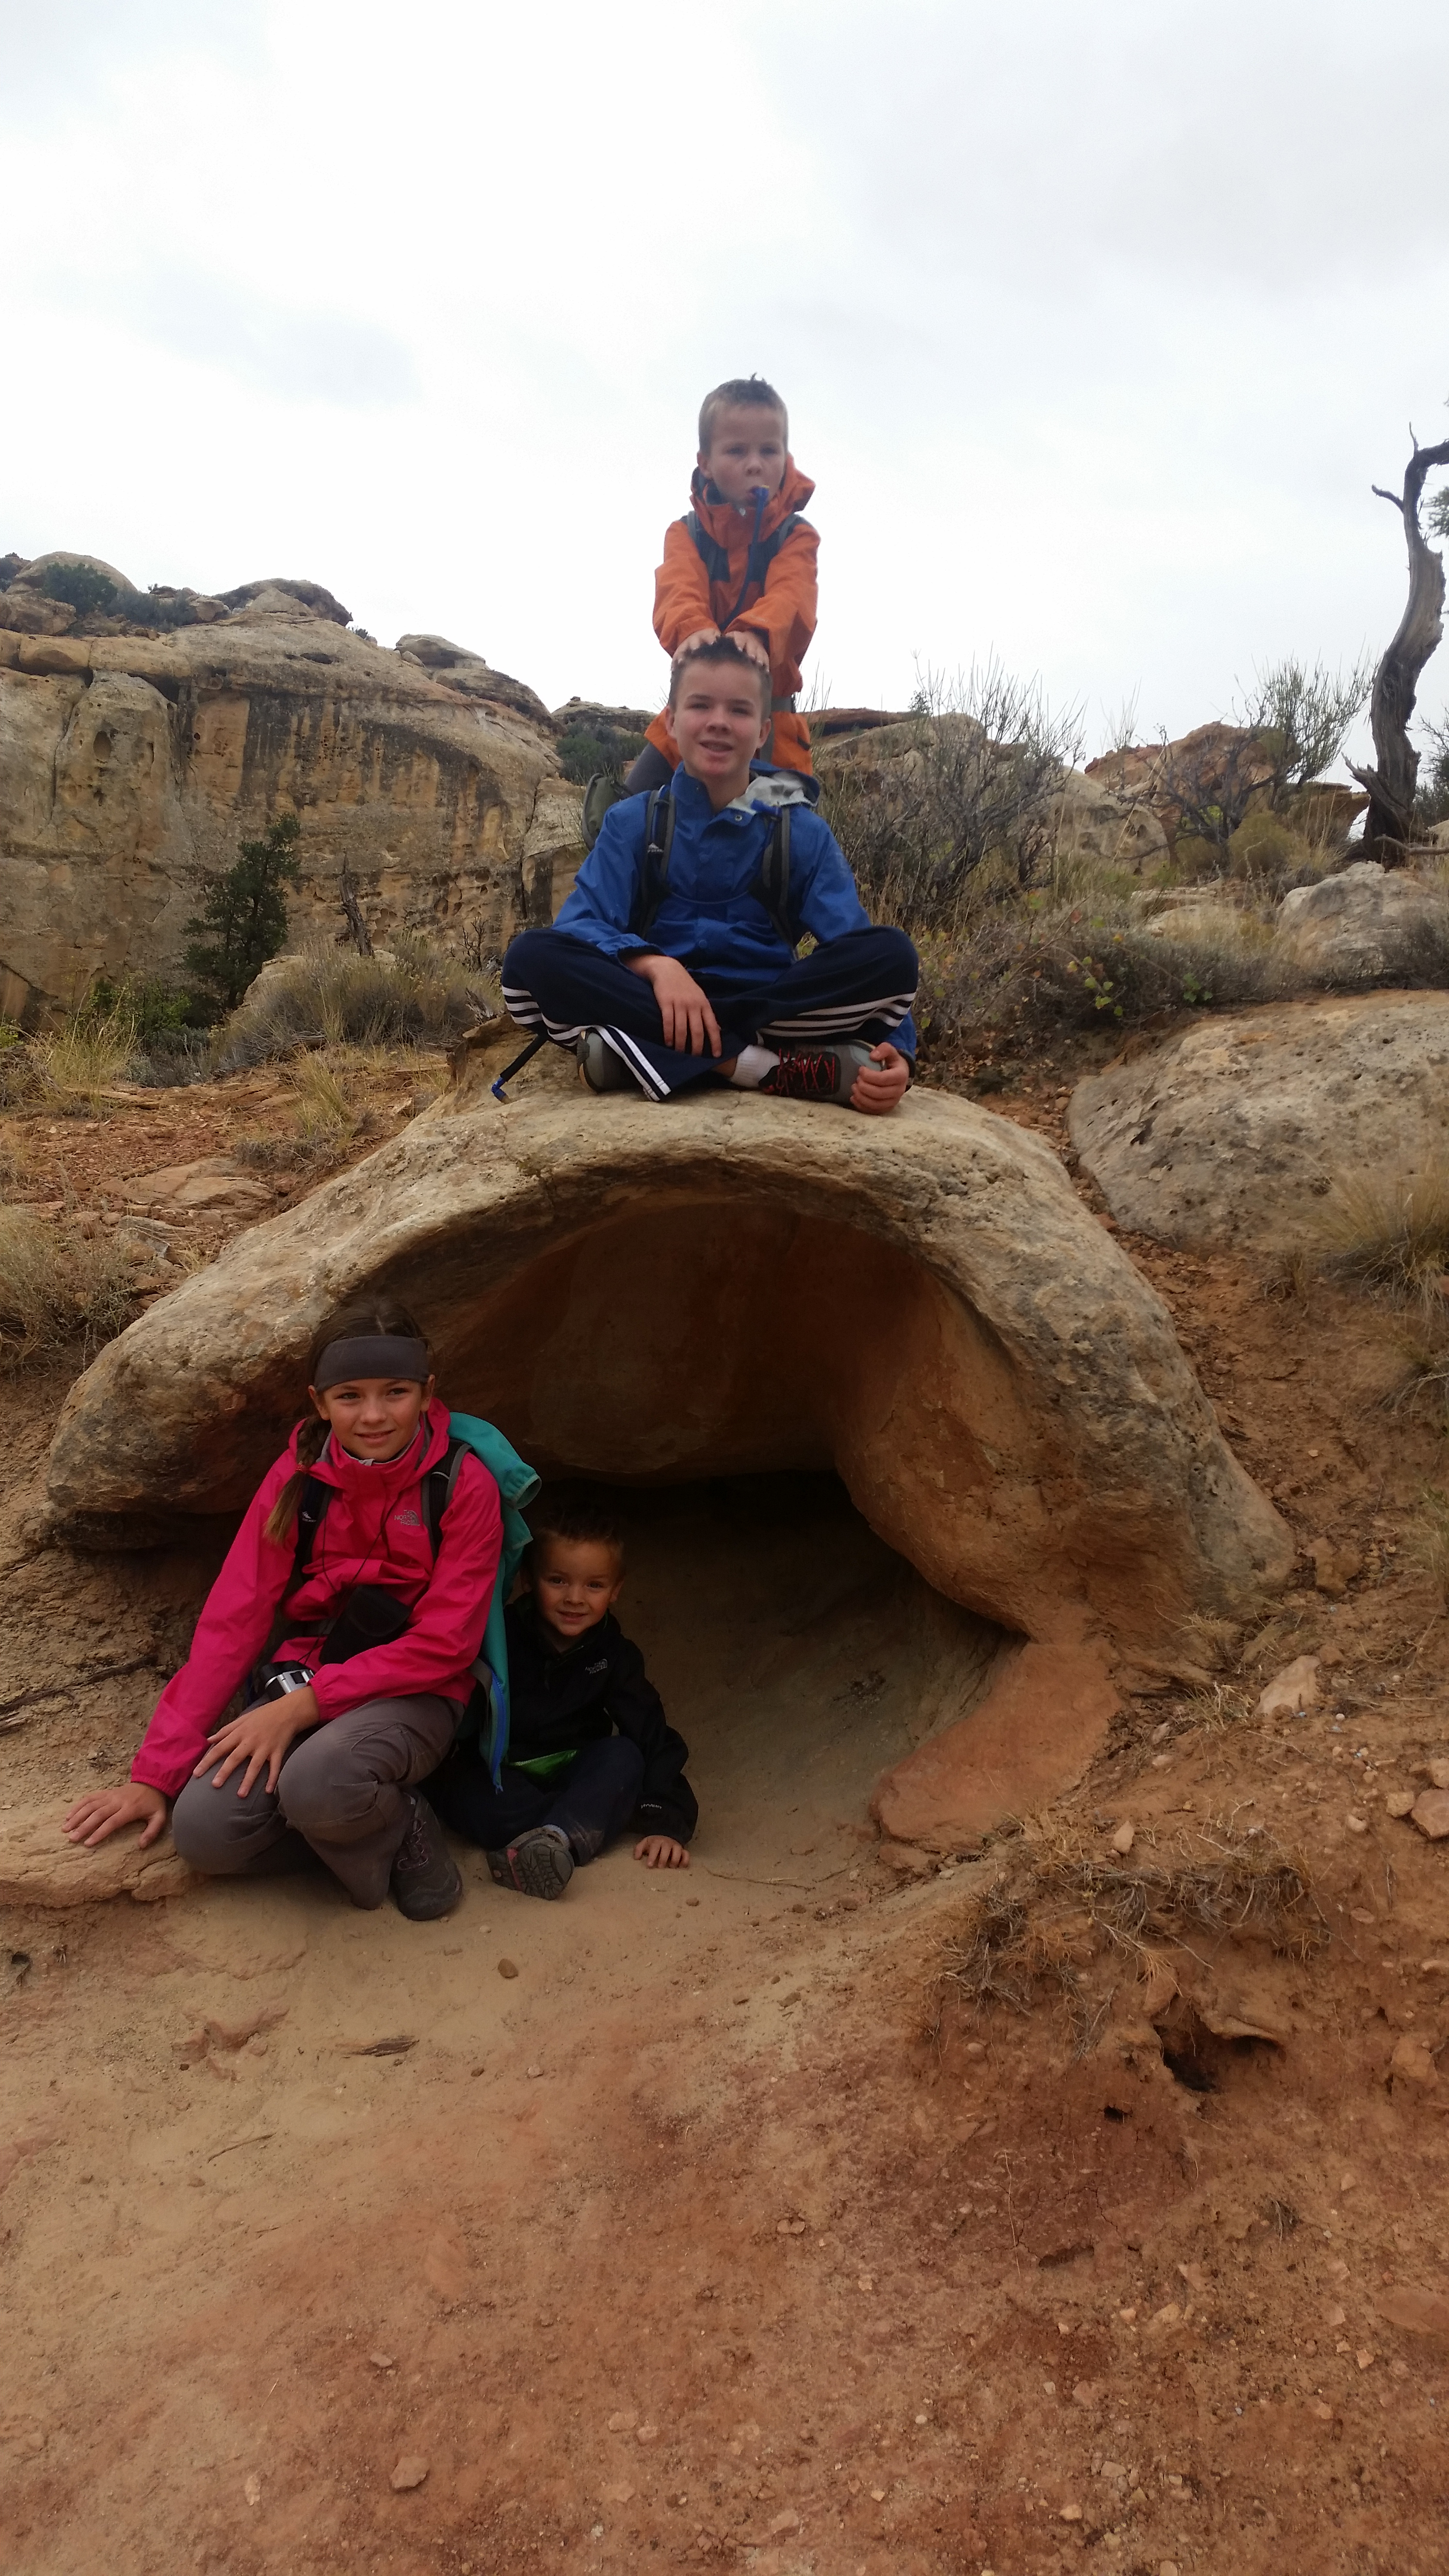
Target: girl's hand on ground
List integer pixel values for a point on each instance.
(685, 1016)
(104, 1812)
(261, 1736)
(661, 1851)
(882, 1082)
(692, 643)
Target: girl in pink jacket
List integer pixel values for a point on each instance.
(380, 1633)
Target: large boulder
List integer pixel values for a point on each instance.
(1235, 1131)
(729, 1287)
(131, 765)
(1367, 925)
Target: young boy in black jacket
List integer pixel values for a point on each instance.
(569, 1781)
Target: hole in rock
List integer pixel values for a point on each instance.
(798, 1656)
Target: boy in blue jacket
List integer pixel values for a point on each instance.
(672, 961)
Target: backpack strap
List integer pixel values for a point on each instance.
(438, 1486)
(772, 886)
(713, 557)
(311, 1512)
(654, 867)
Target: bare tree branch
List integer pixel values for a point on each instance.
(1393, 779)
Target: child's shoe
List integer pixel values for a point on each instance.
(602, 1069)
(817, 1073)
(538, 1864)
(425, 1878)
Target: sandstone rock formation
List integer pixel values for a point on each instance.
(734, 1287)
(1366, 926)
(131, 764)
(38, 1867)
(1235, 1131)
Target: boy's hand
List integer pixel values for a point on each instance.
(105, 1811)
(692, 643)
(882, 1082)
(261, 1736)
(751, 643)
(685, 1016)
(661, 1851)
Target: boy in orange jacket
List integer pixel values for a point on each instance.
(742, 564)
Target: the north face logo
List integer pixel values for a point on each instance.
(406, 1520)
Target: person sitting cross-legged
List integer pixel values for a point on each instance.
(672, 961)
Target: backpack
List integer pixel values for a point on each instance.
(517, 1486)
(762, 553)
(771, 886)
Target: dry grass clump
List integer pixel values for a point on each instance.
(58, 1286)
(79, 1062)
(330, 997)
(1037, 1932)
(1390, 1233)
(1428, 1547)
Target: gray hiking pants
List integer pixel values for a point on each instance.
(341, 1794)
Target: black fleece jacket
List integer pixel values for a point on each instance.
(559, 1702)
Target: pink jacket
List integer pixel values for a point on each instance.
(373, 1532)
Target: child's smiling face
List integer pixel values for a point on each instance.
(373, 1417)
(746, 449)
(575, 1581)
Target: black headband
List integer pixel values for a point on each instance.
(376, 1355)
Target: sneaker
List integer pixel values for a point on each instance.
(817, 1073)
(602, 1069)
(425, 1877)
(538, 1864)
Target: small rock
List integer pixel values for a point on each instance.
(904, 1859)
(1323, 2413)
(1334, 1568)
(624, 2421)
(1399, 1802)
(1365, 2359)
(647, 2433)
(1070, 2513)
(1293, 1692)
(410, 2471)
(877, 2495)
(1438, 1771)
(1430, 1812)
(1412, 2062)
(1168, 2567)
(786, 2521)
(790, 2227)
(1434, 1967)
(1123, 1839)
(534, 2070)
(252, 2489)
(1415, 2310)
(1162, 1762)
(1334, 2318)
(618, 2491)
(507, 1968)
(1357, 1824)
(382, 2361)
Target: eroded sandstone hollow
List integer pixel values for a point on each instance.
(742, 1288)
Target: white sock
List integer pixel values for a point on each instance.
(751, 1066)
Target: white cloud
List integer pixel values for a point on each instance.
(1096, 325)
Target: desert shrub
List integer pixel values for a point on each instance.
(243, 918)
(1389, 1232)
(967, 814)
(1428, 1548)
(332, 997)
(1431, 804)
(1289, 729)
(80, 586)
(599, 748)
(1075, 967)
(58, 1286)
(81, 1060)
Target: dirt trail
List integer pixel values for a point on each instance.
(720, 2233)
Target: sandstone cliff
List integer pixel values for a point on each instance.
(132, 762)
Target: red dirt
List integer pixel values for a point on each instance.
(779, 2259)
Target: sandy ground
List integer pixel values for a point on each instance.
(721, 2231)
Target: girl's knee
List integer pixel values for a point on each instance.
(214, 1829)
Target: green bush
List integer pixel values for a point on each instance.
(606, 749)
(79, 586)
(332, 997)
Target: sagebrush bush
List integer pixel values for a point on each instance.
(58, 1286)
(1390, 1231)
(332, 997)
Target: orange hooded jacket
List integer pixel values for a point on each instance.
(781, 610)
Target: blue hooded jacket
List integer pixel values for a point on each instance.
(711, 918)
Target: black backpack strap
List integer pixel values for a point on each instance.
(311, 1512)
(654, 867)
(713, 557)
(772, 887)
(762, 553)
(438, 1486)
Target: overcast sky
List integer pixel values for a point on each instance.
(1095, 323)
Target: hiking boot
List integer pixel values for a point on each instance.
(817, 1073)
(425, 1879)
(602, 1069)
(538, 1864)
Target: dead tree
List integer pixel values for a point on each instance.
(357, 929)
(1392, 781)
